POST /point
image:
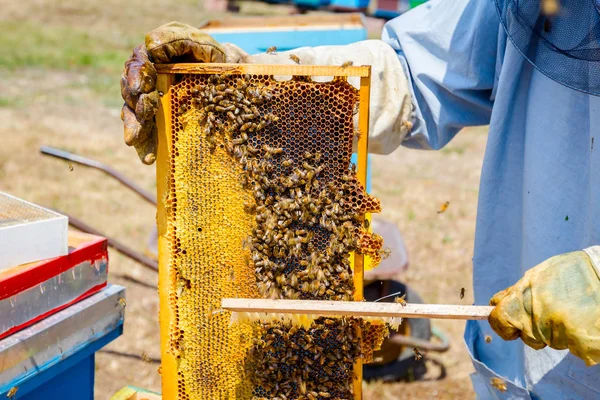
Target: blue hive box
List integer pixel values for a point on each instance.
(257, 34)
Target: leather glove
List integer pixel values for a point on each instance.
(170, 43)
(556, 304)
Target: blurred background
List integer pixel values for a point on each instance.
(60, 66)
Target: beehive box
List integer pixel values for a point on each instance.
(29, 233)
(257, 198)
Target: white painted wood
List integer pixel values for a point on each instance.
(30, 233)
(356, 309)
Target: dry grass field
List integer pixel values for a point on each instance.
(59, 72)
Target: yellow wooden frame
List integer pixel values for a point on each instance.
(166, 74)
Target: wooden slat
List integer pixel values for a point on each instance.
(314, 21)
(359, 258)
(163, 166)
(357, 309)
(262, 69)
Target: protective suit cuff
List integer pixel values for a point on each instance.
(594, 253)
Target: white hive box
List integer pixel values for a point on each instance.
(29, 233)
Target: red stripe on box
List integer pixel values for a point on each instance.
(23, 279)
(17, 328)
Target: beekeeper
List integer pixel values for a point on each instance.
(531, 70)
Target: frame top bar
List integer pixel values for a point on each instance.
(263, 69)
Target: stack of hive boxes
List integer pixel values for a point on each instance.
(49, 279)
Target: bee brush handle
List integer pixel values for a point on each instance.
(356, 309)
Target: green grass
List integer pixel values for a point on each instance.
(9, 101)
(99, 57)
(453, 150)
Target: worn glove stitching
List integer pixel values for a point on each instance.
(178, 40)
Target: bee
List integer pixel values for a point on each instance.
(408, 125)
(498, 384)
(347, 64)
(366, 224)
(146, 358)
(272, 50)
(418, 355)
(401, 300)
(443, 207)
(462, 293)
(488, 339)
(122, 302)
(295, 58)
(183, 109)
(12, 392)
(385, 253)
(71, 167)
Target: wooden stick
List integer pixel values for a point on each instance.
(262, 69)
(356, 309)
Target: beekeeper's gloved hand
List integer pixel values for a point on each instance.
(170, 43)
(556, 304)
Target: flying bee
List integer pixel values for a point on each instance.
(347, 64)
(272, 50)
(443, 207)
(488, 339)
(146, 358)
(295, 58)
(71, 167)
(418, 355)
(401, 300)
(122, 302)
(462, 293)
(385, 253)
(498, 384)
(12, 392)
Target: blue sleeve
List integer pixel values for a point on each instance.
(448, 49)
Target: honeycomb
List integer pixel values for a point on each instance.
(264, 202)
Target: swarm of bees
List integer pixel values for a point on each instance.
(291, 362)
(299, 248)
